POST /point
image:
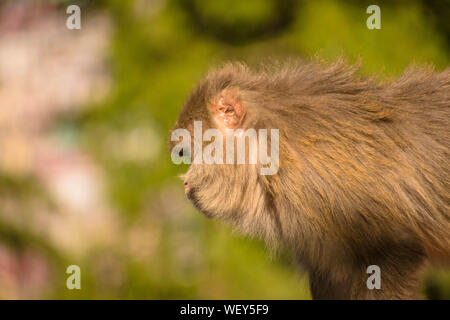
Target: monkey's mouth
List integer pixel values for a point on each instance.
(191, 196)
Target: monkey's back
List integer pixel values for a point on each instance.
(374, 158)
(426, 110)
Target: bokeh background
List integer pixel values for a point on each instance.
(85, 175)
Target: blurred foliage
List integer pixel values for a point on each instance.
(159, 51)
(248, 21)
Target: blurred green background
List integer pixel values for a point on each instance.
(85, 174)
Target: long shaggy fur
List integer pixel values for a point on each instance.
(364, 174)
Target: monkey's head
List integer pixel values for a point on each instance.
(224, 108)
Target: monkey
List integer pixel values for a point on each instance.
(364, 172)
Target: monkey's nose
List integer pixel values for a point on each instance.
(186, 187)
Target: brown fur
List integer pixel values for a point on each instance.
(364, 175)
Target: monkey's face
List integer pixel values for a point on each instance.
(224, 177)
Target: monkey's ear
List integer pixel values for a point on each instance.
(229, 110)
